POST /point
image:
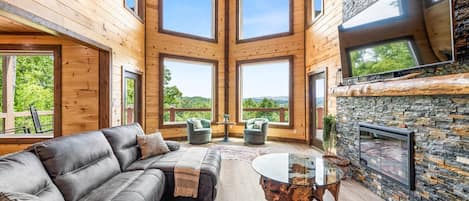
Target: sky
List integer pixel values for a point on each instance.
(191, 78)
(265, 79)
(259, 17)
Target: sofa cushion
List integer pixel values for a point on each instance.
(173, 145)
(209, 171)
(79, 163)
(123, 140)
(143, 185)
(23, 172)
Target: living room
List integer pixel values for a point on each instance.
(220, 100)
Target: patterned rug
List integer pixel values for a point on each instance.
(241, 153)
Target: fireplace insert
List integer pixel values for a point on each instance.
(388, 151)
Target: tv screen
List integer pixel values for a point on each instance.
(392, 35)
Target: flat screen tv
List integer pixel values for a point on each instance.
(392, 35)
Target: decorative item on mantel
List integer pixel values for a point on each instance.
(329, 145)
(339, 77)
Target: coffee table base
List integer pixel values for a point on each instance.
(276, 191)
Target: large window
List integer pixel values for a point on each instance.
(188, 88)
(259, 19)
(136, 7)
(265, 90)
(27, 95)
(189, 18)
(382, 57)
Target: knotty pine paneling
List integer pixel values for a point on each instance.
(104, 21)
(322, 48)
(157, 43)
(80, 90)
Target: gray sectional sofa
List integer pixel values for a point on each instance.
(99, 166)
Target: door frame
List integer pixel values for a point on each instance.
(138, 76)
(312, 104)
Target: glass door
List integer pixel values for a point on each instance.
(131, 98)
(317, 91)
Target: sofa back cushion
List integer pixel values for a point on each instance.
(23, 172)
(123, 140)
(78, 163)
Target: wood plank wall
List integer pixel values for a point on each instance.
(322, 48)
(80, 91)
(104, 21)
(157, 43)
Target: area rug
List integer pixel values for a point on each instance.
(241, 153)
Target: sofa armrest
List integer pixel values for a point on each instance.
(173, 145)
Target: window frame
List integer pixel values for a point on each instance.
(309, 12)
(161, 29)
(239, 63)
(215, 90)
(264, 37)
(57, 54)
(137, 75)
(140, 14)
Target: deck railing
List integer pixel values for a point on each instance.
(172, 111)
(9, 119)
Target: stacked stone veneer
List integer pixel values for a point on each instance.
(440, 123)
(441, 126)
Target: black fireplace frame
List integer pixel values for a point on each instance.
(393, 133)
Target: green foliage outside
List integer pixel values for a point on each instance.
(264, 103)
(173, 97)
(34, 85)
(382, 58)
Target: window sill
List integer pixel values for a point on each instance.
(23, 139)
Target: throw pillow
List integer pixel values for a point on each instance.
(16, 196)
(152, 145)
(197, 124)
(257, 124)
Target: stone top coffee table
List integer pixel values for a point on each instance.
(294, 177)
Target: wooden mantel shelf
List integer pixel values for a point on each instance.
(455, 84)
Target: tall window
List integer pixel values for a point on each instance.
(27, 83)
(189, 18)
(136, 7)
(265, 90)
(131, 97)
(378, 58)
(189, 86)
(263, 18)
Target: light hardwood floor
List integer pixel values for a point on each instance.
(239, 182)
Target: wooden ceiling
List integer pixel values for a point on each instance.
(8, 26)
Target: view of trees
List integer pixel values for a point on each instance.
(381, 58)
(34, 85)
(173, 97)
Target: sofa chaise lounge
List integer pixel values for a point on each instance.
(101, 165)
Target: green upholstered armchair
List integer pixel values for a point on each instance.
(198, 131)
(255, 131)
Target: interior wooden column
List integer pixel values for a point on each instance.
(9, 75)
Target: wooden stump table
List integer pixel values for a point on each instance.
(301, 181)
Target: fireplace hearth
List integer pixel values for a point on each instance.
(388, 151)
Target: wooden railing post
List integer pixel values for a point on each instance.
(130, 115)
(172, 114)
(282, 114)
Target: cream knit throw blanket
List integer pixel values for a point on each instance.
(187, 172)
